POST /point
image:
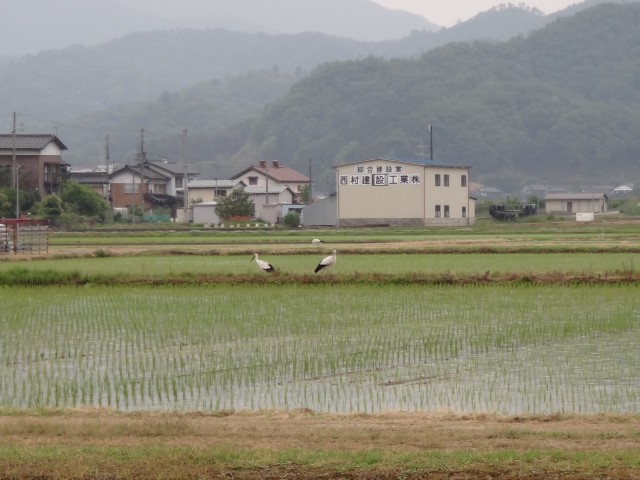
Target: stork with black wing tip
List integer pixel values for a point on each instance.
(326, 262)
(264, 266)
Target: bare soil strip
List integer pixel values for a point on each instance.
(107, 445)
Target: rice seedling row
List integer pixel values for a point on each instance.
(353, 348)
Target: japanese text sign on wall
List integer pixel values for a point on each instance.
(380, 175)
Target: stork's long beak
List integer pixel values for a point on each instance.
(252, 259)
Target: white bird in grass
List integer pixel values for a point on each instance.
(264, 266)
(317, 241)
(326, 262)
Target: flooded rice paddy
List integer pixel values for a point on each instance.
(340, 349)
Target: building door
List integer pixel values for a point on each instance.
(570, 207)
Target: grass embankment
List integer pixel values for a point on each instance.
(102, 444)
(26, 277)
(355, 266)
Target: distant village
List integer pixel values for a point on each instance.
(369, 192)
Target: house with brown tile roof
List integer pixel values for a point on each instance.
(38, 158)
(145, 187)
(272, 174)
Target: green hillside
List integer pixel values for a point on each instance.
(560, 105)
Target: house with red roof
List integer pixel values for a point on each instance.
(270, 175)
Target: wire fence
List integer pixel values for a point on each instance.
(23, 236)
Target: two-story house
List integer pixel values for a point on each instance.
(37, 159)
(269, 175)
(156, 185)
(210, 190)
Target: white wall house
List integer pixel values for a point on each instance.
(382, 191)
(209, 190)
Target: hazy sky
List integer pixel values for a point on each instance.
(447, 12)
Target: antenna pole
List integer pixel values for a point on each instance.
(431, 141)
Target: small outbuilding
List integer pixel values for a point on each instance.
(623, 190)
(205, 212)
(322, 213)
(571, 203)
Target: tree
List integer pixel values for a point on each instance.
(238, 204)
(5, 204)
(292, 219)
(83, 200)
(304, 195)
(51, 208)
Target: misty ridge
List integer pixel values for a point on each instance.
(537, 94)
(93, 22)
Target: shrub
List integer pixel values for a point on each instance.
(292, 219)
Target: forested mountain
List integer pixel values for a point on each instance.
(61, 84)
(585, 4)
(206, 110)
(560, 105)
(564, 98)
(57, 85)
(62, 23)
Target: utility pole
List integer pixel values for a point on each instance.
(107, 158)
(185, 181)
(142, 157)
(266, 172)
(17, 191)
(16, 176)
(309, 194)
(13, 163)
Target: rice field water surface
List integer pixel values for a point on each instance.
(348, 348)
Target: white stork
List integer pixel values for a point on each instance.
(316, 241)
(264, 266)
(326, 262)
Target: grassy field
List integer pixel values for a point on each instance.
(502, 351)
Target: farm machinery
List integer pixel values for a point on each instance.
(509, 213)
